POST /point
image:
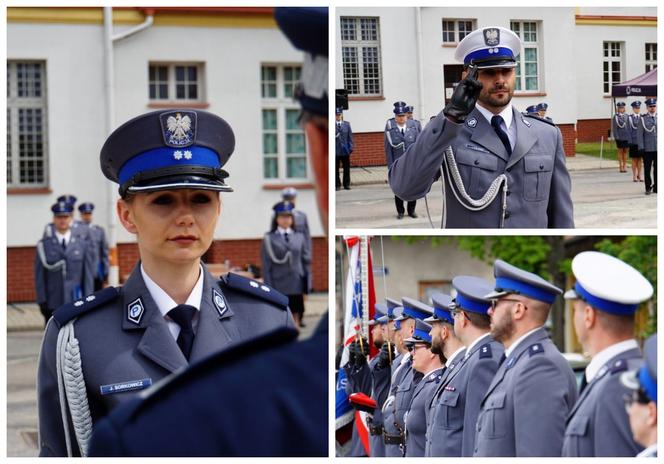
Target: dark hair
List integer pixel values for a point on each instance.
(481, 321)
(274, 224)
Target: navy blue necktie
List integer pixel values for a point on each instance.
(64, 244)
(182, 315)
(496, 121)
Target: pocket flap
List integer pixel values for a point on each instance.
(538, 163)
(477, 159)
(495, 401)
(450, 398)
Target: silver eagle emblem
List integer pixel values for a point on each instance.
(179, 127)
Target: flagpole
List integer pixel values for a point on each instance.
(364, 276)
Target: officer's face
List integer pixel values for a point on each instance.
(339, 116)
(580, 321)
(421, 357)
(636, 109)
(652, 109)
(621, 109)
(436, 337)
(284, 220)
(407, 328)
(497, 87)
(502, 322)
(542, 113)
(172, 226)
(643, 421)
(86, 217)
(377, 334)
(400, 118)
(62, 222)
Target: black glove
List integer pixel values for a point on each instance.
(386, 355)
(43, 308)
(359, 352)
(464, 97)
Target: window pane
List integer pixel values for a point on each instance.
(350, 69)
(270, 168)
(163, 91)
(531, 69)
(371, 70)
(163, 73)
(296, 167)
(152, 73)
(9, 146)
(369, 29)
(179, 73)
(465, 28)
(179, 92)
(269, 119)
(531, 83)
(30, 145)
(294, 143)
(193, 91)
(448, 31)
(193, 73)
(348, 29)
(292, 117)
(153, 92)
(270, 143)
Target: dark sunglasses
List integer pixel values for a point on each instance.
(494, 303)
(636, 396)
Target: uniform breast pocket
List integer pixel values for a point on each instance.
(449, 415)
(537, 177)
(575, 435)
(478, 170)
(496, 416)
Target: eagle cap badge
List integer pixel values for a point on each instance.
(178, 128)
(491, 36)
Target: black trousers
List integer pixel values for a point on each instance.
(296, 304)
(399, 204)
(344, 161)
(650, 162)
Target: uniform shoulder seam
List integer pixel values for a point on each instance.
(254, 288)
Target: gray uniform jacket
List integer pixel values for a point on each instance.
(598, 424)
(431, 441)
(289, 276)
(122, 344)
(416, 417)
(457, 402)
(538, 182)
(634, 121)
(61, 276)
(380, 389)
(397, 143)
(647, 133)
(302, 225)
(396, 404)
(620, 127)
(524, 411)
(343, 137)
(99, 240)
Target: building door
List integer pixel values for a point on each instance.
(451, 76)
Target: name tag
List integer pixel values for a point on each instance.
(125, 386)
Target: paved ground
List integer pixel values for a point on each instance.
(602, 197)
(25, 330)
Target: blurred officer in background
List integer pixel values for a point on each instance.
(64, 265)
(400, 133)
(523, 412)
(541, 111)
(620, 133)
(302, 225)
(252, 416)
(641, 402)
(635, 154)
(409, 115)
(605, 297)
(98, 237)
(647, 140)
(343, 136)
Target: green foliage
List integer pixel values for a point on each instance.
(593, 149)
(526, 252)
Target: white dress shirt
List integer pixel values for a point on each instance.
(507, 124)
(605, 355)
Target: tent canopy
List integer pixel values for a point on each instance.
(641, 86)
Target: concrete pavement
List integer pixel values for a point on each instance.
(602, 197)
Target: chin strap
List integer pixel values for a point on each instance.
(450, 168)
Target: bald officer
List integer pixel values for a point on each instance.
(605, 297)
(501, 168)
(524, 410)
(400, 133)
(457, 401)
(430, 365)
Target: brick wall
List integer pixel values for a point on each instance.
(20, 272)
(369, 149)
(592, 130)
(569, 138)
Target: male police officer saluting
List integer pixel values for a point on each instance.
(502, 168)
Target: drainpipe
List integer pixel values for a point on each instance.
(109, 85)
(420, 64)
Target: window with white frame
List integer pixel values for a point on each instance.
(651, 56)
(27, 135)
(612, 65)
(175, 82)
(360, 56)
(527, 63)
(283, 142)
(454, 30)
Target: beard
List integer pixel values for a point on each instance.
(378, 342)
(491, 99)
(437, 345)
(502, 330)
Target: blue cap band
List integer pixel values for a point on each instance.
(471, 305)
(500, 53)
(422, 335)
(505, 284)
(648, 384)
(414, 313)
(168, 157)
(397, 325)
(443, 315)
(608, 306)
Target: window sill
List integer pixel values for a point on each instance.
(28, 191)
(449, 45)
(301, 186)
(365, 98)
(529, 94)
(175, 104)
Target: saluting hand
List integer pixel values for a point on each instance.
(464, 97)
(386, 355)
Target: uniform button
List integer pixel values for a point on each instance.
(507, 214)
(509, 192)
(477, 162)
(509, 169)
(541, 166)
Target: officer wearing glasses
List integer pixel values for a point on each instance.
(605, 298)
(524, 410)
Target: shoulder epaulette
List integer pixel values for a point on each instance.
(485, 351)
(254, 288)
(618, 366)
(67, 312)
(534, 116)
(535, 348)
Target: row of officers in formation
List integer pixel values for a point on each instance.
(636, 134)
(72, 256)
(478, 375)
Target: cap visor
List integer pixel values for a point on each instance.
(495, 295)
(180, 182)
(431, 319)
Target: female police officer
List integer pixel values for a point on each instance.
(101, 350)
